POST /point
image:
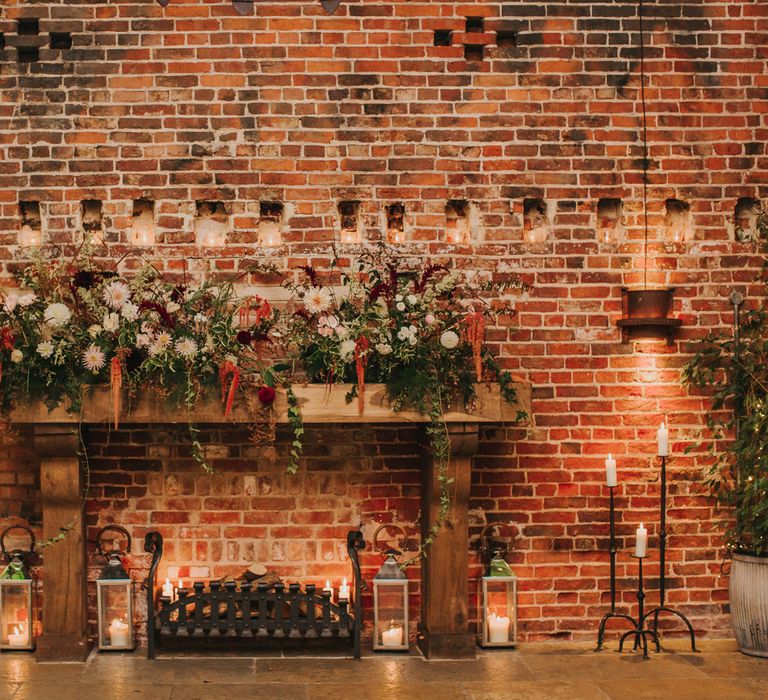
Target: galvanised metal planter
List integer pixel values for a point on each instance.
(749, 603)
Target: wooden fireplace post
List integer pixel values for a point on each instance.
(64, 636)
(444, 629)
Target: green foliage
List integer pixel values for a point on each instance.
(738, 384)
(297, 428)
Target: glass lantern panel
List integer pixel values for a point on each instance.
(16, 624)
(391, 614)
(499, 610)
(115, 614)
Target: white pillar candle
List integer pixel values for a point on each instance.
(610, 471)
(393, 637)
(498, 629)
(119, 634)
(18, 637)
(328, 588)
(344, 590)
(168, 589)
(662, 437)
(641, 542)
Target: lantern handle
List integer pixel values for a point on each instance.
(6, 554)
(485, 538)
(388, 526)
(112, 528)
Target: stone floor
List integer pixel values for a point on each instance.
(552, 671)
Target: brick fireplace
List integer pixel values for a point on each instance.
(143, 477)
(504, 135)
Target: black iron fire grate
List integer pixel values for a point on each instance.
(252, 613)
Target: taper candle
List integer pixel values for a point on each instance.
(662, 437)
(641, 542)
(610, 471)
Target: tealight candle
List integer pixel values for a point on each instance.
(498, 629)
(641, 542)
(168, 589)
(610, 471)
(344, 590)
(119, 634)
(17, 638)
(662, 437)
(392, 637)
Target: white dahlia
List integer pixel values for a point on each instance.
(186, 347)
(57, 315)
(129, 311)
(116, 294)
(346, 349)
(94, 358)
(161, 344)
(449, 340)
(45, 349)
(317, 300)
(111, 322)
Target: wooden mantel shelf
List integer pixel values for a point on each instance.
(319, 404)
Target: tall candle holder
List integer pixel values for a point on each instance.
(662, 607)
(640, 633)
(613, 551)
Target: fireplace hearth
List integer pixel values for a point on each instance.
(244, 615)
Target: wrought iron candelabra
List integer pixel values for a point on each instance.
(663, 607)
(639, 631)
(613, 551)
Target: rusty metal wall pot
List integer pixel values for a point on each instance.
(648, 303)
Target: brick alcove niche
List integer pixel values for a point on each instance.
(356, 472)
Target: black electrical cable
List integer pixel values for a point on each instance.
(645, 146)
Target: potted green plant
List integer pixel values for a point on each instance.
(734, 368)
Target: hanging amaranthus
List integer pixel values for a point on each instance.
(6, 343)
(245, 312)
(115, 386)
(256, 305)
(362, 345)
(475, 330)
(228, 395)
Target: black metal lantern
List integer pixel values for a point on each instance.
(114, 595)
(497, 595)
(16, 600)
(390, 600)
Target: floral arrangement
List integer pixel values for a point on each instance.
(419, 330)
(70, 326)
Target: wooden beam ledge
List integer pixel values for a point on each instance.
(319, 404)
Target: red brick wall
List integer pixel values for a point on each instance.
(193, 102)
